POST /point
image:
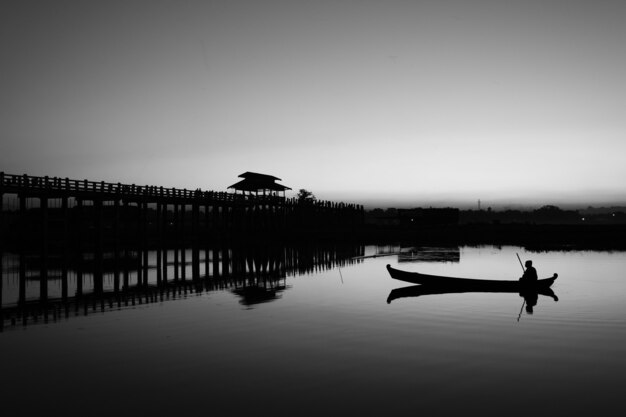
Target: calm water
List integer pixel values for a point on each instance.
(327, 342)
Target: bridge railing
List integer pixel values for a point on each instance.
(11, 183)
(29, 183)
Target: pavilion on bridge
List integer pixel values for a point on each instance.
(259, 185)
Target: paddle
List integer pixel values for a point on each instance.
(520, 262)
(523, 269)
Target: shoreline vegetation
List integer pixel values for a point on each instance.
(545, 226)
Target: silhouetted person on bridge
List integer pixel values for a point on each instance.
(530, 274)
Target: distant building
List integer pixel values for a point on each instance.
(259, 184)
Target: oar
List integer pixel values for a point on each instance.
(523, 269)
(520, 262)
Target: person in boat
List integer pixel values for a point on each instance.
(530, 273)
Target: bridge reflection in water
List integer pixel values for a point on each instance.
(81, 283)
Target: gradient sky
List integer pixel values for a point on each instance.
(386, 103)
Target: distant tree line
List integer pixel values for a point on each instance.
(548, 214)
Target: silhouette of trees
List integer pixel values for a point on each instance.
(305, 196)
(553, 214)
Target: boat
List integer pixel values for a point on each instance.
(470, 284)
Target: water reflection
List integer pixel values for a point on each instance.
(255, 294)
(430, 254)
(43, 289)
(530, 296)
(418, 253)
(328, 340)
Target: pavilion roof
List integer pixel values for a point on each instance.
(253, 181)
(256, 175)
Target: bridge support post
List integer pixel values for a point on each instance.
(79, 254)
(216, 261)
(183, 254)
(22, 256)
(195, 244)
(43, 270)
(159, 240)
(98, 274)
(125, 218)
(144, 241)
(176, 241)
(66, 247)
(116, 245)
(164, 228)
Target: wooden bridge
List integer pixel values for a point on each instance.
(65, 210)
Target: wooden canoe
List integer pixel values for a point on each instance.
(469, 283)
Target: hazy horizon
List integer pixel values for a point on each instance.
(410, 103)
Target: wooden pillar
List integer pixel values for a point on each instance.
(1, 205)
(225, 262)
(1, 243)
(1, 277)
(164, 248)
(144, 242)
(183, 255)
(22, 256)
(249, 262)
(159, 240)
(235, 215)
(216, 262)
(215, 211)
(116, 245)
(207, 263)
(126, 262)
(207, 220)
(176, 242)
(79, 253)
(43, 270)
(98, 272)
(195, 245)
(79, 274)
(66, 244)
(138, 244)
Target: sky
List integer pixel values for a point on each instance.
(383, 103)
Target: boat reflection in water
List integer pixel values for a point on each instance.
(432, 285)
(530, 296)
